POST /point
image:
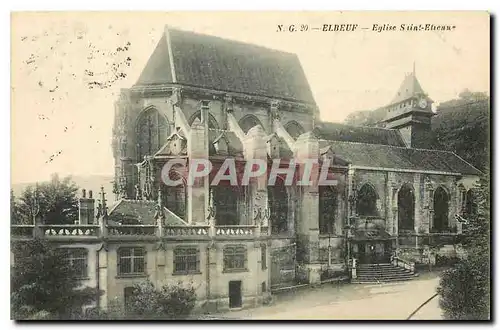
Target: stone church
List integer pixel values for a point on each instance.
(396, 202)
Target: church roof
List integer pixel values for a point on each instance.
(408, 89)
(362, 134)
(131, 211)
(233, 145)
(390, 157)
(210, 62)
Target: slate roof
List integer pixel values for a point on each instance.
(362, 134)
(140, 212)
(234, 145)
(385, 156)
(409, 87)
(204, 61)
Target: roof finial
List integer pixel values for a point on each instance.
(414, 69)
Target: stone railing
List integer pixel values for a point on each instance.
(235, 230)
(407, 240)
(69, 230)
(400, 262)
(22, 230)
(443, 239)
(132, 230)
(186, 231)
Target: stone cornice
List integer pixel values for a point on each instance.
(237, 98)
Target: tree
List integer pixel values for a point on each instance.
(170, 302)
(465, 288)
(15, 216)
(44, 283)
(462, 126)
(56, 201)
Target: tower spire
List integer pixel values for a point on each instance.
(414, 73)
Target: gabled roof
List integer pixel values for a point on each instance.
(390, 157)
(131, 211)
(372, 135)
(284, 151)
(408, 89)
(210, 62)
(234, 145)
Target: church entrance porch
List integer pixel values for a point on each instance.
(372, 251)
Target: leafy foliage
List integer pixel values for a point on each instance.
(462, 126)
(56, 202)
(365, 118)
(44, 285)
(465, 288)
(15, 216)
(170, 302)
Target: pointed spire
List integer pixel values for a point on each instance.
(414, 72)
(104, 209)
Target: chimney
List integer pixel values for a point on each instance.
(86, 208)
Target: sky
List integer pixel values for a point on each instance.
(60, 124)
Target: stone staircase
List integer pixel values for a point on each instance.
(382, 273)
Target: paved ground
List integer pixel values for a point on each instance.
(394, 301)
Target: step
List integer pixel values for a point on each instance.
(384, 270)
(387, 276)
(377, 266)
(396, 271)
(384, 278)
(377, 273)
(357, 281)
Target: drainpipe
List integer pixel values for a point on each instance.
(98, 280)
(208, 274)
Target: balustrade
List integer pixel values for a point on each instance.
(235, 230)
(26, 231)
(132, 230)
(70, 230)
(22, 230)
(186, 231)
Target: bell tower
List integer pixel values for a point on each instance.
(410, 112)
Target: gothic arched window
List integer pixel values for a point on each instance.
(441, 209)
(228, 202)
(278, 206)
(249, 121)
(470, 203)
(327, 209)
(174, 197)
(212, 123)
(367, 201)
(294, 129)
(406, 208)
(152, 133)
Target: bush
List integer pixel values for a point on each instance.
(446, 261)
(44, 285)
(465, 291)
(170, 302)
(465, 288)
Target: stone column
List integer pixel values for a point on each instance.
(211, 278)
(428, 205)
(307, 148)
(394, 211)
(102, 265)
(418, 205)
(198, 191)
(255, 150)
